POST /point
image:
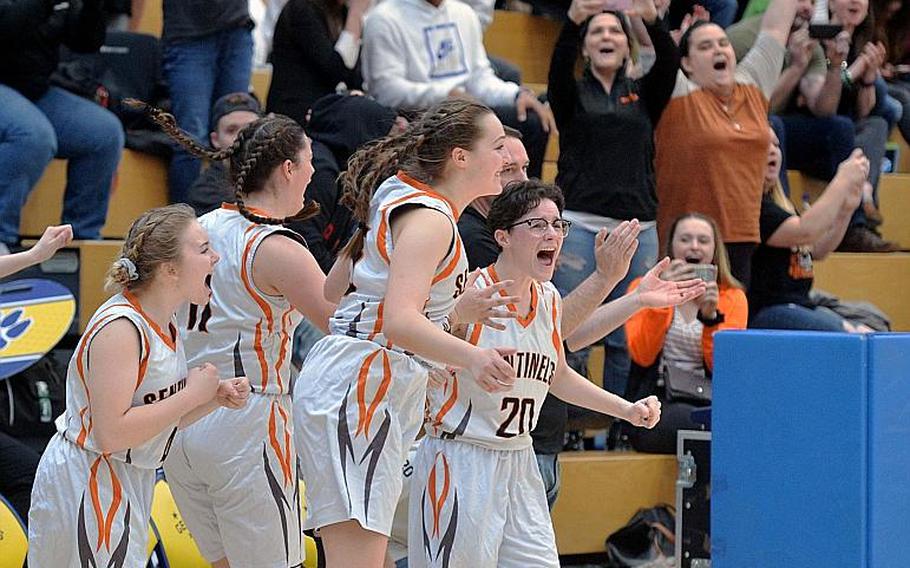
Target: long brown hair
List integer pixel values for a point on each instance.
(260, 147)
(422, 152)
(721, 259)
(153, 238)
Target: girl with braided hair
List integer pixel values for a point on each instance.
(128, 392)
(241, 500)
(360, 397)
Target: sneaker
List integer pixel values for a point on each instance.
(861, 239)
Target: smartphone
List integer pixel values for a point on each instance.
(617, 5)
(824, 31)
(706, 272)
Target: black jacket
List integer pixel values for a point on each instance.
(606, 140)
(305, 65)
(31, 32)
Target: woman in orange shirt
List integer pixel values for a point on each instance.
(683, 336)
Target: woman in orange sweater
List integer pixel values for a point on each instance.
(683, 336)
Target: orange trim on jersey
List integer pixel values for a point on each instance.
(81, 357)
(380, 392)
(450, 268)
(381, 240)
(96, 500)
(377, 325)
(253, 210)
(263, 305)
(557, 342)
(288, 461)
(168, 339)
(416, 184)
(365, 414)
(115, 503)
(436, 504)
(525, 320)
(144, 359)
(475, 334)
(449, 403)
(362, 376)
(282, 351)
(276, 446)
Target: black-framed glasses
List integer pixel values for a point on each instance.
(538, 226)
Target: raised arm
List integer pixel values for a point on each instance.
(50, 242)
(778, 19)
(828, 211)
(657, 86)
(113, 365)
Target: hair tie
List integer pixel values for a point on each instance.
(362, 226)
(129, 266)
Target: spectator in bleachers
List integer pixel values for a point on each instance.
(606, 145)
(264, 14)
(782, 265)
(863, 99)
(683, 337)
(418, 52)
(229, 115)
(207, 53)
(892, 22)
(713, 136)
(338, 126)
(316, 51)
(39, 121)
(806, 94)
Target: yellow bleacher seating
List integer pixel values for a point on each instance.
(261, 81)
(903, 161)
(140, 184)
(873, 277)
(179, 547)
(13, 539)
(152, 17)
(523, 40)
(601, 491)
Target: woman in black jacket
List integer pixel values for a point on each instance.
(316, 47)
(606, 144)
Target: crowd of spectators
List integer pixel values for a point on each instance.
(683, 118)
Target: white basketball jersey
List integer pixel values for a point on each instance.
(360, 312)
(462, 410)
(162, 373)
(243, 331)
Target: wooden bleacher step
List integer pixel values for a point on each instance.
(601, 491)
(880, 278)
(139, 185)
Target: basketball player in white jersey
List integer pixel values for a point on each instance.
(477, 498)
(241, 500)
(360, 397)
(127, 393)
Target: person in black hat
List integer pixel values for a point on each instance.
(229, 115)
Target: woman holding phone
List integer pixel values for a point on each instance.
(683, 337)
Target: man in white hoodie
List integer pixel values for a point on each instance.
(418, 52)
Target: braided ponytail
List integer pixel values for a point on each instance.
(260, 147)
(153, 238)
(422, 151)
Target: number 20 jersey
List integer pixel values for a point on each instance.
(461, 410)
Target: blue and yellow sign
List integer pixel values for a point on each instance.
(34, 315)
